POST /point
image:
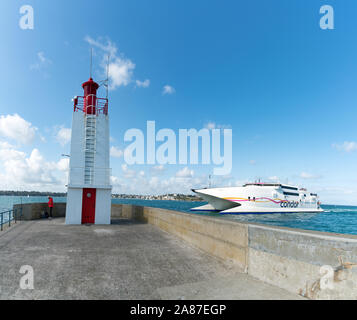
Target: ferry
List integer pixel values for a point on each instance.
(258, 198)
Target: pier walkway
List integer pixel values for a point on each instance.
(126, 260)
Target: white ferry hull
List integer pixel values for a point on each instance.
(269, 210)
(258, 199)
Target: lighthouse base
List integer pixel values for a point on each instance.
(88, 205)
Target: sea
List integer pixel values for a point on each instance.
(335, 218)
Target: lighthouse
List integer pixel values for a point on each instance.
(89, 189)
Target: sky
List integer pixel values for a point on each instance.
(264, 69)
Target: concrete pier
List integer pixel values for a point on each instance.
(240, 260)
(126, 260)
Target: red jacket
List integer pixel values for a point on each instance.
(50, 202)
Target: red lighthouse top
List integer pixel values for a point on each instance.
(90, 87)
(89, 103)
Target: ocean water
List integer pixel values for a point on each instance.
(338, 219)
(6, 203)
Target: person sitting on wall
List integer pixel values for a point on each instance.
(50, 206)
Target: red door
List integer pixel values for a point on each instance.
(88, 206)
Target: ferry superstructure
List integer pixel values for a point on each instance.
(258, 198)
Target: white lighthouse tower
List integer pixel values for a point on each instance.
(89, 189)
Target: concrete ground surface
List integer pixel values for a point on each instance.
(125, 260)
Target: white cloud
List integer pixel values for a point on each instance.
(168, 90)
(306, 175)
(115, 152)
(41, 57)
(109, 47)
(63, 136)
(120, 68)
(210, 125)
(11, 154)
(63, 164)
(114, 181)
(120, 72)
(33, 172)
(252, 162)
(157, 170)
(5, 145)
(16, 128)
(142, 84)
(42, 61)
(185, 173)
(128, 173)
(139, 183)
(347, 146)
(274, 178)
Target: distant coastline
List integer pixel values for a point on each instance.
(32, 193)
(171, 196)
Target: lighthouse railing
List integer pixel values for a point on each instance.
(99, 105)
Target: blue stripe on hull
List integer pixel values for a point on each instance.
(223, 213)
(205, 210)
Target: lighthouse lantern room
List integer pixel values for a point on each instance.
(89, 189)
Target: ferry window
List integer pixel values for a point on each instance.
(249, 198)
(253, 198)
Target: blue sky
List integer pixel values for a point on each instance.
(265, 69)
